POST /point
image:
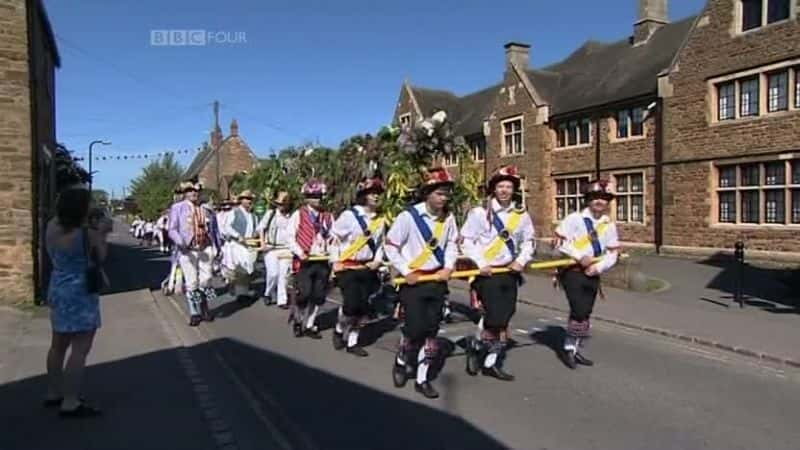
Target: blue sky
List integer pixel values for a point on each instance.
(309, 69)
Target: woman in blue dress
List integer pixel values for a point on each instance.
(74, 311)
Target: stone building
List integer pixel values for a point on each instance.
(28, 60)
(221, 160)
(644, 111)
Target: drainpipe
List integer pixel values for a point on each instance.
(597, 147)
(658, 226)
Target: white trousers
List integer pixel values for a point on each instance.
(276, 276)
(196, 267)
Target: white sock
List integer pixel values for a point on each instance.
(422, 367)
(352, 338)
(490, 361)
(339, 328)
(312, 317)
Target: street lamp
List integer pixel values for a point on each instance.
(91, 175)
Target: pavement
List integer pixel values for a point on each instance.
(244, 382)
(699, 307)
(158, 384)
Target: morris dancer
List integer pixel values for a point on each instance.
(422, 241)
(358, 233)
(193, 230)
(272, 228)
(583, 236)
(498, 234)
(308, 235)
(162, 231)
(238, 261)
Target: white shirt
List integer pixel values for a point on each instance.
(227, 224)
(404, 243)
(479, 234)
(148, 227)
(163, 222)
(318, 247)
(346, 230)
(276, 234)
(573, 228)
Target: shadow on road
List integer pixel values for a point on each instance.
(130, 268)
(314, 407)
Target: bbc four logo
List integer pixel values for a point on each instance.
(181, 38)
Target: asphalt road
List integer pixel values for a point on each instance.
(645, 391)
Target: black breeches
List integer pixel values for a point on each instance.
(357, 286)
(423, 309)
(581, 293)
(312, 283)
(498, 294)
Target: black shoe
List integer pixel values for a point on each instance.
(312, 333)
(283, 306)
(582, 360)
(338, 341)
(426, 389)
(568, 358)
(497, 372)
(195, 320)
(267, 301)
(297, 329)
(358, 351)
(399, 375)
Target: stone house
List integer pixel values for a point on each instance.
(28, 60)
(643, 112)
(220, 161)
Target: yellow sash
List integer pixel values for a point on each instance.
(499, 242)
(362, 240)
(585, 241)
(438, 231)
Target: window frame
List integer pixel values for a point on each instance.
(788, 188)
(401, 117)
(476, 147)
(763, 16)
(564, 127)
(504, 134)
(789, 69)
(628, 196)
(578, 196)
(629, 114)
(450, 160)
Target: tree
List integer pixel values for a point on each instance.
(153, 189)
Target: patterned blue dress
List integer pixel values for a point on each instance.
(72, 308)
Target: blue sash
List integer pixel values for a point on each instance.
(427, 235)
(365, 229)
(598, 250)
(503, 233)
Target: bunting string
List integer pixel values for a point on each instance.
(129, 156)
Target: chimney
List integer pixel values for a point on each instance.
(518, 54)
(234, 128)
(216, 137)
(652, 16)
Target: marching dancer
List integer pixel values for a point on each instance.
(422, 241)
(162, 231)
(193, 230)
(585, 236)
(308, 237)
(272, 228)
(238, 260)
(358, 233)
(499, 234)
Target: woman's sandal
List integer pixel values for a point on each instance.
(81, 411)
